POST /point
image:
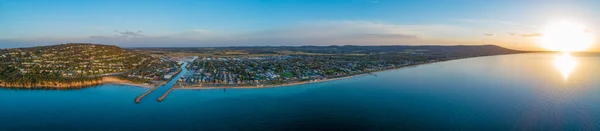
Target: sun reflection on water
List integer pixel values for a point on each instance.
(565, 63)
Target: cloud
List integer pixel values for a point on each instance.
(339, 32)
(130, 33)
(531, 35)
(524, 34)
(498, 23)
(302, 33)
(374, 27)
(493, 25)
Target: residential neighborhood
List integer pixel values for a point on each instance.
(285, 69)
(81, 61)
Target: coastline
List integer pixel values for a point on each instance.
(265, 86)
(309, 82)
(73, 85)
(118, 81)
(325, 80)
(130, 84)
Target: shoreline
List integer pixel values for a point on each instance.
(117, 81)
(74, 85)
(128, 84)
(325, 80)
(317, 81)
(265, 86)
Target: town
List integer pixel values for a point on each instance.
(49, 66)
(277, 70)
(81, 62)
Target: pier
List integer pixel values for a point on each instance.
(164, 96)
(139, 98)
(169, 84)
(161, 98)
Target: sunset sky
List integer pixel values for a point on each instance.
(513, 24)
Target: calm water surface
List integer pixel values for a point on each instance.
(509, 92)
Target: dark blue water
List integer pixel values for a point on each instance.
(509, 92)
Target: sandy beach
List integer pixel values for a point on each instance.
(265, 86)
(115, 80)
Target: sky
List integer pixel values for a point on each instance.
(512, 24)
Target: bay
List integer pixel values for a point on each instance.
(506, 92)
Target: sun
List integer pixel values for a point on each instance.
(566, 36)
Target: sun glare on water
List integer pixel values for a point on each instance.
(566, 37)
(565, 63)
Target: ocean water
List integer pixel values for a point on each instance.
(507, 92)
